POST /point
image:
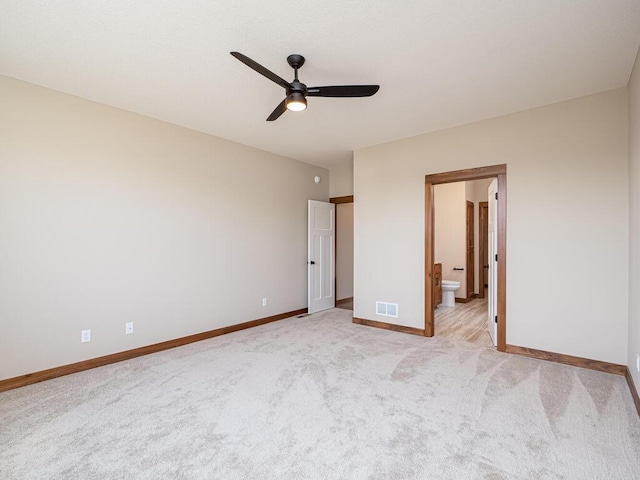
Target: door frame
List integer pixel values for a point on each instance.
(483, 208)
(499, 171)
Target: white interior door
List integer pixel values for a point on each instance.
(321, 256)
(493, 262)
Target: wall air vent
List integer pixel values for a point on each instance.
(387, 309)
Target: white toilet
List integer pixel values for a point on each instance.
(449, 288)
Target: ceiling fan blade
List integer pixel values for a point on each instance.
(343, 91)
(279, 110)
(261, 70)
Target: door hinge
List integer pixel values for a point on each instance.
(496, 257)
(496, 195)
(496, 319)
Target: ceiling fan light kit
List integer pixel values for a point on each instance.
(296, 102)
(297, 92)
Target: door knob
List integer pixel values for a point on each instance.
(312, 262)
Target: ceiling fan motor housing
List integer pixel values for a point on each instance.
(297, 87)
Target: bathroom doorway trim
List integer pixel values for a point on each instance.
(493, 171)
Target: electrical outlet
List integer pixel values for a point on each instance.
(128, 328)
(85, 336)
(638, 362)
(264, 302)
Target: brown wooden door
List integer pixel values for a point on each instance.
(483, 242)
(470, 251)
(437, 285)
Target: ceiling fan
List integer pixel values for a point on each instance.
(297, 92)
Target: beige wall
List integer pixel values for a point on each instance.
(108, 217)
(341, 181)
(565, 248)
(450, 233)
(634, 218)
(344, 251)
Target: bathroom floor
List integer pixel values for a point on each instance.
(465, 321)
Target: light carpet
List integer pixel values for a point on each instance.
(321, 398)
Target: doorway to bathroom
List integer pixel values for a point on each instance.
(487, 313)
(461, 311)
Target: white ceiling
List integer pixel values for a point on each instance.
(440, 63)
